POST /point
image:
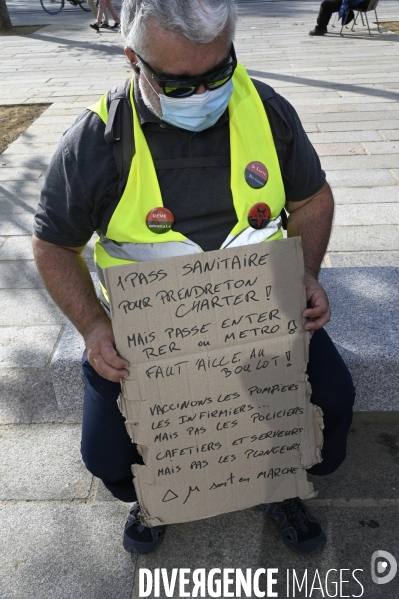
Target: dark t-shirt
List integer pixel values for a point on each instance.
(82, 178)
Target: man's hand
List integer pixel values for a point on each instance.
(318, 312)
(101, 352)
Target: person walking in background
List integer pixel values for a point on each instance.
(102, 5)
(93, 8)
(328, 7)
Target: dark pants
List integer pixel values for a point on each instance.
(108, 452)
(328, 7)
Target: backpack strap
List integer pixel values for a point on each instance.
(119, 130)
(281, 131)
(282, 134)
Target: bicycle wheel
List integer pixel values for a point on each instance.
(83, 5)
(52, 7)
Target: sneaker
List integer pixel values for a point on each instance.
(298, 527)
(138, 538)
(104, 25)
(95, 26)
(318, 31)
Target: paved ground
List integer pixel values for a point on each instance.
(61, 531)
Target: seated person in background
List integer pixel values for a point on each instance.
(328, 7)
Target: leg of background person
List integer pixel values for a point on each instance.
(107, 450)
(333, 391)
(93, 8)
(101, 9)
(112, 11)
(327, 8)
(95, 11)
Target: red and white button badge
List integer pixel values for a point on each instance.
(160, 220)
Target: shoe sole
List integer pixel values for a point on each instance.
(138, 548)
(303, 550)
(131, 547)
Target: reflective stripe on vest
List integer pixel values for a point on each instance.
(141, 252)
(128, 238)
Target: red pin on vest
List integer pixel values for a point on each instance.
(259, 216)
(160, 220)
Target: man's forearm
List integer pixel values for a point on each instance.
(312, 221)
(69, 283)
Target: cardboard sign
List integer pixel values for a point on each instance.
(217, 397)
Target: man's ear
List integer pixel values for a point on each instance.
(132, 58)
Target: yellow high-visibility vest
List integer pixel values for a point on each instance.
(128, 239)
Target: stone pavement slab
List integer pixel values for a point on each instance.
(27, 347)
(365, 238)
(42, 135)
(16, 224)
(371, 177)
(376, 161)
(382, 147)
(365, 195)
(18, 191)
(25, 307)
(42, 462)
(66, 369)
(19, 275)
(28, 397)
(391, 134)
(338, 149)
(27, 160)
(344, 117)
(378, 258)
(64, 551)
(22, 173)
(364, 214)
(360, 125)
(18, 247)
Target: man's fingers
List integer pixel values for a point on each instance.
(108, 352)
(318, 322)
(105, 370)
(316, 313)
(104, 358)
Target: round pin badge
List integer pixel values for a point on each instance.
(160, 220)
(259, 216)
(256, 174)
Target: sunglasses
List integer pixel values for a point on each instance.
(183, 88)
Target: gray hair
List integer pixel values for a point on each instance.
(199, 21)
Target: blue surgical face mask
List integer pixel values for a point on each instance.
(197, 112)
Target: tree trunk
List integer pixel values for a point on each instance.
(5, 21)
